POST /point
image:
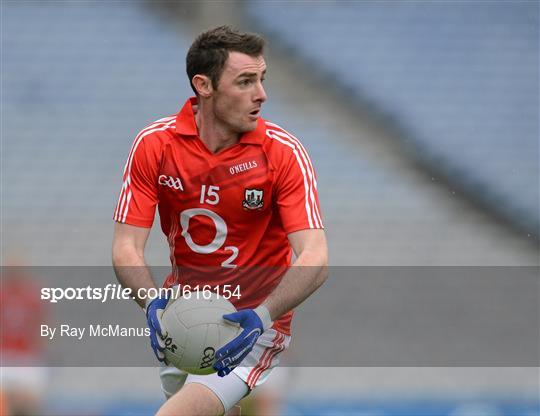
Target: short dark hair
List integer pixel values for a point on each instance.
(209, 52)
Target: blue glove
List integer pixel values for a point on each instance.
(154, 310)
(253, 322)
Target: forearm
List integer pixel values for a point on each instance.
(306, 275)
(132, 272)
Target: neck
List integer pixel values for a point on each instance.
(212, 132)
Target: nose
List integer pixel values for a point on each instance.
(260, 94)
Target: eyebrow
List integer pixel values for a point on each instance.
(250, 74)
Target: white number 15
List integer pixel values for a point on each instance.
(213, 197)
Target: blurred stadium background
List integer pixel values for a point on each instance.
(421, 118)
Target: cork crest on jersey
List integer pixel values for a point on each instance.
(253, 199)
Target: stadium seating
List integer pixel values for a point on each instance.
(459, 81)
(80, 79)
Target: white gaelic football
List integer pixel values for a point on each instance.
(194, 330)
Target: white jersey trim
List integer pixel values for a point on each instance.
(299, 144)
(149, 127)
(312, 210)
(122, 208)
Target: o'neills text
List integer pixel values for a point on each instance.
(242, 167)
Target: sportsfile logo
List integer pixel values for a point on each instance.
(171, 182)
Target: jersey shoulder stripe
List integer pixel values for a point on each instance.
(155, 124)
(284, 133)
(280, 135)
(122, 207)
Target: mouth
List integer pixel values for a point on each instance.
(255, 113)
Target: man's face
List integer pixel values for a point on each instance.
(239, 95)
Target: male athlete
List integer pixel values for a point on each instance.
(237, 195)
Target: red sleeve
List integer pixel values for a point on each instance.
(139, 195)
(296, 191)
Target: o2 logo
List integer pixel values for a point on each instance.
(210, 196)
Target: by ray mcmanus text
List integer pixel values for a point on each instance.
(92, 330)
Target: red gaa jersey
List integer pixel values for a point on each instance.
(227, 213)
(21, 314)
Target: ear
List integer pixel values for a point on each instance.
(203, 85)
